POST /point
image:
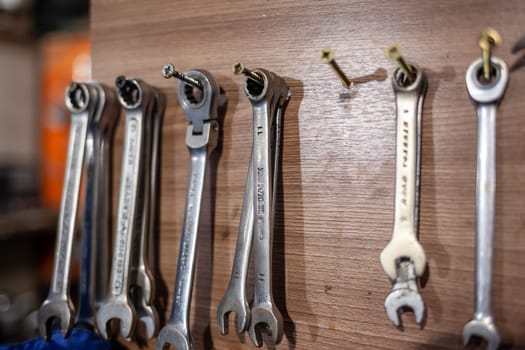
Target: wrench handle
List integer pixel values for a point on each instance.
(187, 250)
(406, 164)
(127, 205)
(485, 206)
(263, 178)
(244, 239)
(69, 203)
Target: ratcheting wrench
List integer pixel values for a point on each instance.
(403, 259)
(83, 101)
(142, 283)
(138, 100)
(202, 111)
(486, 96)
(97, 207)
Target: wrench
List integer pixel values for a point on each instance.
(201, 139)
(95, 230)
(137, 99)
(81, 100)
(486, 97)
(142, 284)
(268, 102)
(234, 299)
(404, 258)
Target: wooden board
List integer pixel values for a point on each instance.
(337, 189)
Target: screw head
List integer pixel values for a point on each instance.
(167, 70)
(327, 55)
(238, 68)
(393, 52)
(489, 38)
(120, 81)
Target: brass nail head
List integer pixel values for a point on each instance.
(239, 68)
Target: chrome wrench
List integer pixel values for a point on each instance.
(198, 95)
(268, 95)
(234, 299)
(97, 206)
(142, 283)
(404, 259)
(136, 97)
(486, 96)
(81, 100)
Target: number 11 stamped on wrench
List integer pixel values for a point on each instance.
(403, 259)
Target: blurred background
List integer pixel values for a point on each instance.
(44, 44)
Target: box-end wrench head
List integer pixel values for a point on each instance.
(486, 96)
(81, 100)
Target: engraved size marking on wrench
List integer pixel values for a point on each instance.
(403, 259)
(80, 100)
(486, 97)
(136, 98)
(201, 139)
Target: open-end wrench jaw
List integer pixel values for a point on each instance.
(483, 327)
(81, 100)
(404, 295)
(266, 317)
(239, 306)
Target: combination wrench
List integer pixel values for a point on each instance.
(269, 94)
(82, 100)
(142, 283)
(138, 100)
(97, 207)
(403, 259)
(198, 94)
(486, 95)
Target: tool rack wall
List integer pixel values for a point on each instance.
(335, 211)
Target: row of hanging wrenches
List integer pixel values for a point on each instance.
(94, 114)
(203, 102)
(268, 93)
(404, 259)
(131, 285)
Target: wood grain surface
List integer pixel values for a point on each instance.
(335, 206)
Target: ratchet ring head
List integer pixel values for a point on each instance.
(129, 92)
(491, 91)
(77, 97)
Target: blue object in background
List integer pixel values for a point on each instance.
(79, 339)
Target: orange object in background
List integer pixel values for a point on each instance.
(64, 57)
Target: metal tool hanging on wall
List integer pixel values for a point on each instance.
(95, 239)
(131, 286)
(92, 109)
(268, 94)
(403, 259)
(486, 81)
(199, 95)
